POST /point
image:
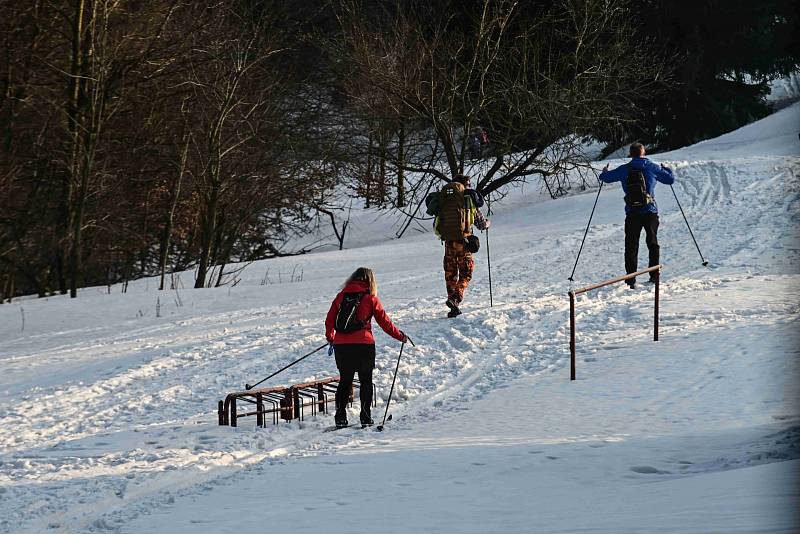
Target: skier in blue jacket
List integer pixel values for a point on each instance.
(639, 177)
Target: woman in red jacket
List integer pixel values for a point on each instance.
(355, 351)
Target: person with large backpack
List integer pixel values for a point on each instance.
(456, 208)
(638, 178)
(348, 328)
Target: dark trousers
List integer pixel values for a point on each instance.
(354, 358)
(634, 223)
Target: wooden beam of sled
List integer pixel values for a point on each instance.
(287, 402)
(574, 293)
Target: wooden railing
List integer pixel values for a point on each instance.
(576, 292)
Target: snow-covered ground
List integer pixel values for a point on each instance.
(108, 412)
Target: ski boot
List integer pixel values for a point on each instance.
(340, 418)
(453, 305)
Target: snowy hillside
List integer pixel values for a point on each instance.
(108, 412)
(784, 91)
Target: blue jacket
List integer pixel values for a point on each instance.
(652, 173)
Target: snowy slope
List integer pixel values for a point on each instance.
(784, 91)
(108, 421)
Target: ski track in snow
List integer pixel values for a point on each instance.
(140, 429)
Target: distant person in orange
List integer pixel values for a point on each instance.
(456, 209)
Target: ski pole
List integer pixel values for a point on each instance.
(702, 259)
(249, 387)
(586, 232)
(489, 261)
(489, 254)
(380, 426)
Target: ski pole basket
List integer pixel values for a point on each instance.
(573, 294)
(283, 403)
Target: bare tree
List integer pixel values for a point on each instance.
(535, 80)
(138, 136)
(232, 95)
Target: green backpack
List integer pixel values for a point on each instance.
(452, 220)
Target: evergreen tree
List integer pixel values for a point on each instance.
(724, 53)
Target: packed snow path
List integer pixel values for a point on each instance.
(107, 412)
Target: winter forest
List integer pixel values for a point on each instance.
(146, 138)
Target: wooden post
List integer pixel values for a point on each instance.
(259, 410)
(296, 400)
(233, 411)
(655, 309)
(571, 335)
(321, 398)
(287, 406)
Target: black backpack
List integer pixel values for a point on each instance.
(346, 321)
(635, 185)
(432, 203)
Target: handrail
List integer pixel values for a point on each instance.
(573, 293)
(615, 280)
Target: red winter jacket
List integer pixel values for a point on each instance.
(369, 307)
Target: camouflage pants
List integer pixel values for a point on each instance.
(458, 265)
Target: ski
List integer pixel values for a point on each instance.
(335, 428)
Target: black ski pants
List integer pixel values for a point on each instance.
(352, 358)
(634, 223)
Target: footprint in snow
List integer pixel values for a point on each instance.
(648, 470)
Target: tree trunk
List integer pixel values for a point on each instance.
(368, 176)
(382, 168)
(76, 83)
(89, 115)
(208, 224)
(167, 233)
(401, 186)
(76, 252)
(143, 251)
